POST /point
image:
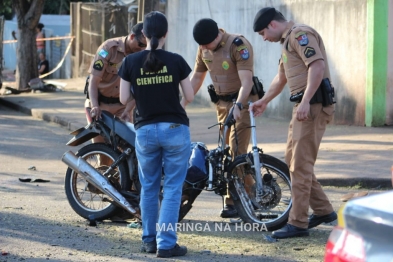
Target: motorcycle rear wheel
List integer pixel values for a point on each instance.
(85, 199)
(272, 212)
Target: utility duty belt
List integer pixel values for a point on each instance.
(324, 94)
(108, 100)
(101, 98)
(214, 97)
(228, 98)
(257, 89)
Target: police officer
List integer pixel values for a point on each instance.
(103, 91)
(229, 60)
(303, 65)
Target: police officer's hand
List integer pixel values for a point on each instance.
(302, 111)
(236, 113)
(95, 112)
(126, 116)
(258, 107)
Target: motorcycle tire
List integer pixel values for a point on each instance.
(85, 199)
(272, 212)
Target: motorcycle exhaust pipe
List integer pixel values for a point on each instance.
(92, 176)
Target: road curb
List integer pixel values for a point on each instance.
(361, 182)
(16, 107)
(69, 125)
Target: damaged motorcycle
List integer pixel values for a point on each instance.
(99, 190)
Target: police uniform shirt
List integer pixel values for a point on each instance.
(224, 63)
(301, 45)
(106, 63)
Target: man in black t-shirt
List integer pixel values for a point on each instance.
(43, 66)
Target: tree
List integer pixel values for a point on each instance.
(28, 14)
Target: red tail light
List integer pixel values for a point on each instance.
(344, 246)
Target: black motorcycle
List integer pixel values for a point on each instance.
(259, 183)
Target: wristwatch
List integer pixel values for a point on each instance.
(239, 105)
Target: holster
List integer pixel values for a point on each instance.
(327, 91)
(212, 93)
(324, 94)
(257, 88)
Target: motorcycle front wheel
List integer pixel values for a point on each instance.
(272, 210)
(85, 199)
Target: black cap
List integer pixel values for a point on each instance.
(137, 30)
(205, 31)
(263, 18)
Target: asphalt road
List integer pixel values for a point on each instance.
(37, 224)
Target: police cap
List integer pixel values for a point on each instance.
(263, 18)
(205, 31)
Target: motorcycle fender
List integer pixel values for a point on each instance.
(75, 132)
(82, 135)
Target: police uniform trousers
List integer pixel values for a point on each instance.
(243, 130)
(303, 143)
(243, 133)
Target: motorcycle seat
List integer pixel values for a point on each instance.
(123, 129)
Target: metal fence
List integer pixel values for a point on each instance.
(93, 23)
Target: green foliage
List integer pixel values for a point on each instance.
(6, 9)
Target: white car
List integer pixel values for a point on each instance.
(364, 231)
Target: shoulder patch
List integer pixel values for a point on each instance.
(244, 54)
(98, 65)
(103, 53)
(237, 41)
(302, 38)
(309, 52)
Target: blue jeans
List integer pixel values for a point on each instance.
(156, 144)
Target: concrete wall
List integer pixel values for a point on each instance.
(341, 23)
